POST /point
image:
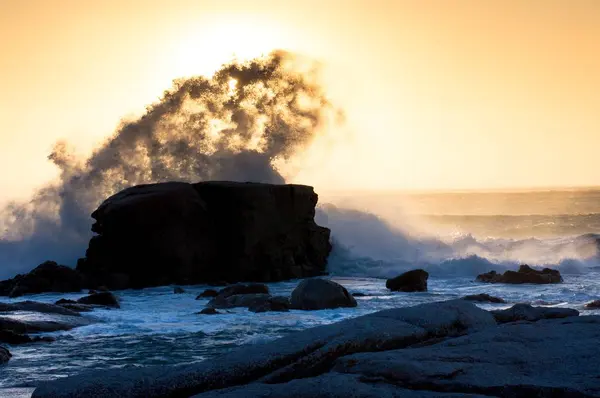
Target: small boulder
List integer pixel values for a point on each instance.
(5, 355)
(525, 274)
(207, 293)
(178, 290)
(525, 312)
(239, 300)
(593, 305)
(277, 303)
(483, 297)
(411, 281)
(106, 299)
(318, 294)
(209, 311)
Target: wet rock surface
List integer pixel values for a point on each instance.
(318, 294)
(411, 281)
(525, 274)
(484, 298)
(446, 349)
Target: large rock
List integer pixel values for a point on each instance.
(5, 355)
(318, 294)
(179, 233)
(525, 274)
(411, 281)
(46, 277)
(25, 327)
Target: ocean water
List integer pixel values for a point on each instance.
(453, 236)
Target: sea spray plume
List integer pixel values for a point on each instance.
(236, 125)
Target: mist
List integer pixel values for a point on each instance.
(242, 124)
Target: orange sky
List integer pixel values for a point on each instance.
(438, 94)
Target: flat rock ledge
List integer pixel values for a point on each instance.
(443, 349)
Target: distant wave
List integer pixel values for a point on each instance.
(367, 245)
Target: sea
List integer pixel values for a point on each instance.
(453, 235)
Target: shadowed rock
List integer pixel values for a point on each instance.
(9, 337)
(250, 288)
(5, 355)
(239, 300)
(525, 312)
(483, 297)
(34, 306)
(525, 274)
(318, 294)
(207, 294)
(178, 290)
(209, 311)
(25, 327)
(411, 281)
(183, 233)
(106, 299)
(46, 277)
(593, 305)
(276, 303)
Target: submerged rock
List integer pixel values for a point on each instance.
(207, 294)
(525, 274)
(209, 311)
(5, 355)
(411, 281)
(10, 337)
(25, 327)
(318, 294)
(106, 299)
(483, 297)
(182, 233)
(178, 290)
(35, 306)
(46, 277)
(239, 300)
(525, 312)
(276, 303)
(250, 288)
(593, 305)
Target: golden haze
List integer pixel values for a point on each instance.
(437, 94)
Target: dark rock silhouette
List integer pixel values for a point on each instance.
(182, 233)
(593, 304)
(106, 299)
(525, 312)
(34, 306)
(209, 311)
(525, 274)
(239, 300)
(318, 294)
(178, 290)
(5, 355)
(484, 297)
(10, 337)
(207, 294)
(411, 281)
(46, 277)
(275, 303)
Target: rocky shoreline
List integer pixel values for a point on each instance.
(450, 348)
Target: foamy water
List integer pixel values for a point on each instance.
(156, 326)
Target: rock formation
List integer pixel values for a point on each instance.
(47, 277)
(447, 349)
(179, 233)
(525, 274)
(411, 281)
(318, 294)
